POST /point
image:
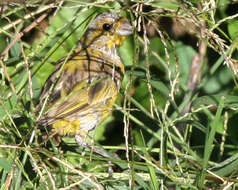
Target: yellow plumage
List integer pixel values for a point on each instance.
(87, 85)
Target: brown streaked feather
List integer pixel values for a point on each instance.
(64, 109)
(75, 85)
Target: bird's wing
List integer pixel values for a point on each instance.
(83, 83)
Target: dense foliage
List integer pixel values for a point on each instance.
(174, 124)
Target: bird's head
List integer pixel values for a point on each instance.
(107, 31)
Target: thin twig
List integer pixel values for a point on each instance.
(26, 30)
(195, 73)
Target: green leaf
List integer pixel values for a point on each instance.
(3, 43)
(15, 50)
(158, 85)
(231, 164)
(218, 82)
(4, 163)
(9, 105)
(185, 55)
(229, 101)
(233, 29)
(209, 141)
(126, 52)
(172, 5)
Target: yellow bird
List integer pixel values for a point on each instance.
(83, 90)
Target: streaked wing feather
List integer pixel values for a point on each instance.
(76, 96)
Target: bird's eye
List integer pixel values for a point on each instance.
(106, 26)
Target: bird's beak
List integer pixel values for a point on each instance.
(124, 28)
